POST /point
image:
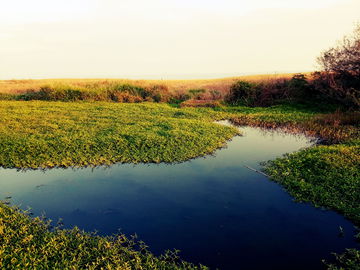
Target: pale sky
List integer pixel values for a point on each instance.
(167, 38)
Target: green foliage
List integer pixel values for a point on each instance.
(349, 260)
(40, 134)
(98, 92)
(316, 91)
(196, 93)
(30, 243)
(300, 89)
(5, 96)
(327, 176)
(242, 93)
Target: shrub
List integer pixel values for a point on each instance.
(196, 93)
(215, 94)
(178, 97)
(6, 96)
(337, 88)
(243, 93)
(299, 88)
(95, 92)
(158, 93)
(340, 76)
(272, 92)
(62, 93)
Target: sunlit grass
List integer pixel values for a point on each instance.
(41, 134)
(327, 176)
(30, 243)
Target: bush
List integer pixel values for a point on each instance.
(158, 93)
(96, 92)
(337, 88)
(243, 93)
(57, 93)
(339, 79)
(196, 93)
(6, 96)
(299, 88)
(179, 97)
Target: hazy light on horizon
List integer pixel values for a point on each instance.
(159, 38)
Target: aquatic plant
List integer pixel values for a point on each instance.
(42, 134)
(327, 176)
(31, 243)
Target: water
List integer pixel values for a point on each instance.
(218, 212)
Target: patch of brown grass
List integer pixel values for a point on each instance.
(221, 85)
(332, 128)
(200, 103)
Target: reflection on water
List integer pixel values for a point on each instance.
(214, 209)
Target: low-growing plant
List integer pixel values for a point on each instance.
(31, 243)
(327, 176)
(41, 134)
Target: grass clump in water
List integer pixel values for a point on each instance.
(30, 243)
(40, 134)
(327, 176)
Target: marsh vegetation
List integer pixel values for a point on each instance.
(79, 123)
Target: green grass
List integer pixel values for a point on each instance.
(43, 134)
(350, 259)
(29, 243)
(40, 134)
(327, 176)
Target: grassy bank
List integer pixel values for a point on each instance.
(326, 175)
(54, 134)
(27, 243)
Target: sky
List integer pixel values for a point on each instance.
(168, 39)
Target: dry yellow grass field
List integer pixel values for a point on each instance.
(222, 85)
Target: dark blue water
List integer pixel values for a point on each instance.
(218, 212)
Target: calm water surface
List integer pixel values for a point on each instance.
(218, 212)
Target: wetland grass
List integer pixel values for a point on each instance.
(31, 243)
(39, 134)
(43, 134)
